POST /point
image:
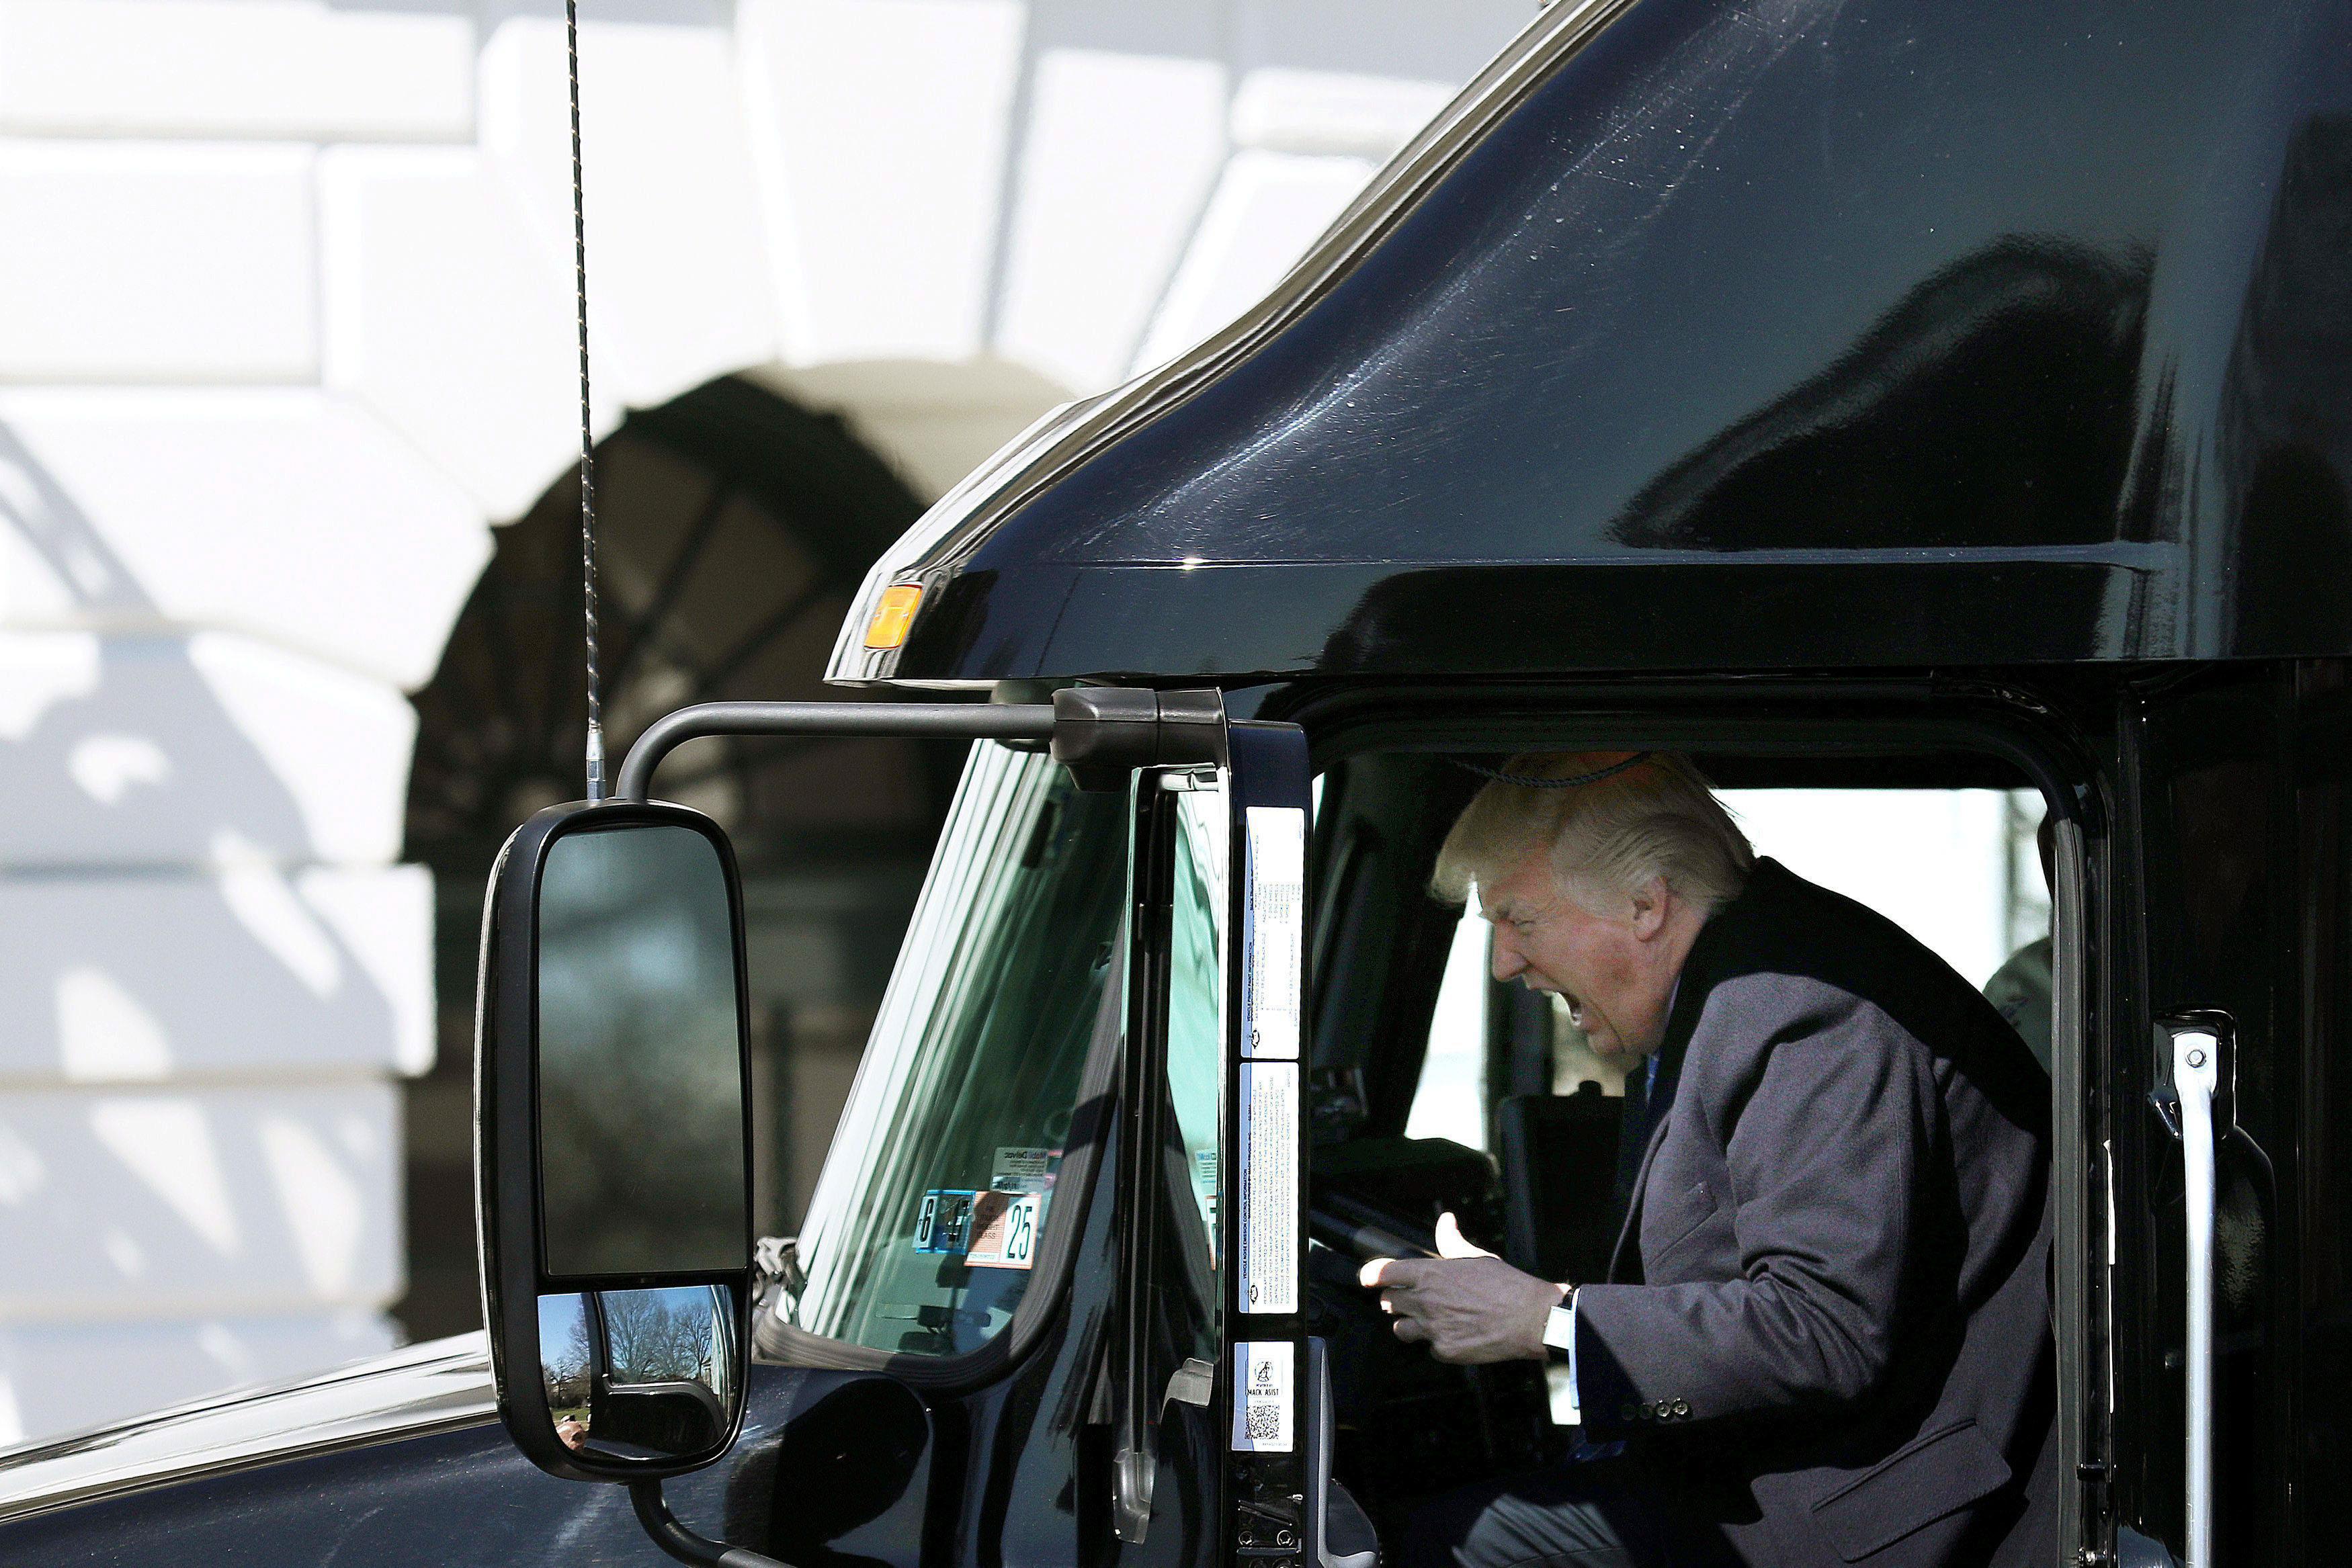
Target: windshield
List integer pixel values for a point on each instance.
(924, 1229)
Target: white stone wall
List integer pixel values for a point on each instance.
(287, 330)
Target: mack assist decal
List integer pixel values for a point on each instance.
(1262, 1396)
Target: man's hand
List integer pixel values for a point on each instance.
(1466, 1304)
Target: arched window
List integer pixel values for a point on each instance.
(734, 527)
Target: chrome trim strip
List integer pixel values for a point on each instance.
(428, 1387)
(931, 552)
(2070, 1161)
(2196, 1075)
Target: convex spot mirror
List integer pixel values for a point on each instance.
(613, 1134)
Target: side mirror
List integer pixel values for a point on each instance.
(613, 1141)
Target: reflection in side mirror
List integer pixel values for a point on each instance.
(611, 1079)
(641, 1140)
(639, 1375)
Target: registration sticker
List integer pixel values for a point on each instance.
(1262, 1396)
(1004, 1227)
(943, 1223)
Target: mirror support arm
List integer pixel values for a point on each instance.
(1099, 733)
(653, 1513)
(943, 721)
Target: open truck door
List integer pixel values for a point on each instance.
(1232, 1391)
(1139, 1263)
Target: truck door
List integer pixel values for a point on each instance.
(1065, 1202)
(1220, 1389)
(1274, 1411)
(1218, 955)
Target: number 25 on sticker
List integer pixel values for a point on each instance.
(1004, 1229)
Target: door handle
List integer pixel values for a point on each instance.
(2197, 1042)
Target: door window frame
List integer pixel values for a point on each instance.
(1776, 716)
(1064, 1236)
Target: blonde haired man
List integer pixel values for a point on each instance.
(1825, 1335)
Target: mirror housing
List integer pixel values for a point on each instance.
(612, 1140)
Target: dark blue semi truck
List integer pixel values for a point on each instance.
(1885, 396)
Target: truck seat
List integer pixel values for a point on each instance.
(1560, 1169)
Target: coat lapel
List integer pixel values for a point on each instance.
(1633, 1225)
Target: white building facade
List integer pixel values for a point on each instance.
(286, 333)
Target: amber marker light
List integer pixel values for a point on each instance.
(893, 616)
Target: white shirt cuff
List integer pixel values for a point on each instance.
(1559, 1334)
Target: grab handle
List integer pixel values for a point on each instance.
(2196, 1080)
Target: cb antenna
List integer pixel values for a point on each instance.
(595, 753)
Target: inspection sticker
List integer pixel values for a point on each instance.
(1262, 1403)
(1004, 1229)
(1269, 1199)
(1275, 931)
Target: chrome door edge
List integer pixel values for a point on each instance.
(439, 1385)
(2071, 1162)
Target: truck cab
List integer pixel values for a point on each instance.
(1875, 399)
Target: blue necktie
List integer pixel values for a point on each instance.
(1633, 1134)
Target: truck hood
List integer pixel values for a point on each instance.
(432, 1387)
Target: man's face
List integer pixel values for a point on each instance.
(1613, 970)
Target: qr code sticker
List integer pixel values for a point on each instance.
(1261, 1391)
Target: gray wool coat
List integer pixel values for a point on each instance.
(1826, 1329)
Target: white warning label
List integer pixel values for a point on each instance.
(1268, 1200)
(1275, 929)
(1022, 1169)
(1262, 1401)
